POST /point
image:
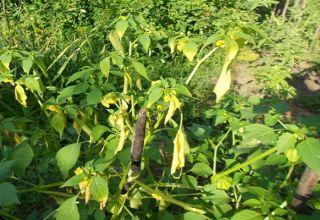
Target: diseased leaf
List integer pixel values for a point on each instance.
(255, 134)
(180, 148)
(190, 50)
(99, 190)
(115, 41)
(67, 157)
(121, 27)
(105, 67)
(223, 85)
(20, 95)
(173, 105)
(6, 60)
(172, 44)
(68, 210)
(144, 39)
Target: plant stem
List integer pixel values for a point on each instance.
(284, 183)
(40, 187)
(199, 63)
(160, 196)
(246, 163)
(216, 150)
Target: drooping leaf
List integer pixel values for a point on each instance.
(190, 50)
(8, 194)
(67, 157)
(201, 169)
(173, 105)
(26, 65)
(181, 89)
(34, 84)
(248, 215)
(309, 150)
(105, 66)
(144, 39)
(140, 68)
(115, 41)
(172, 44)
(22, 155)
(57, 122)
(154, 96)
(20, 95)
(68, 210)
(121, 27)
(223, 85)
(6, 60)
(99, 190)
(180, 148)
(94, 97)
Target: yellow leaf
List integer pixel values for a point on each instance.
(190, 50)
(109, 99)
(21, 95)
(121, 27)
(223, 85)
(181, 147)
(173, 105)
(172, 44)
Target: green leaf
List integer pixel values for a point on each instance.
(75, 180)
(26, 65)
(201, 169)
(154, 96)
(98, 131)
(67, 157)
(34, 84)
(68, 210)
(99, 189)
(5, 169)
(22, 155)
(121, 27)
(105, 66)
(139, 67)
(79, 74)
(6, 60)
(309, 150)
(255, 134)
(190, 50)
(20, 95)
(94, 97)
(8, 194)
(247, 215)
(286, 141)
(181, 89)
(192, 216)
(144, 39)
(73, 90)
(57, 122)
(115, 41)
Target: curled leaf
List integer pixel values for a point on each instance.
(20, 95)
(173, 105)
(223, 85)
(181, 147)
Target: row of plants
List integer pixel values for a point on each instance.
(75, 74)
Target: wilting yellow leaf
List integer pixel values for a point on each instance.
(109, 99)
(224, 81)
(173, 105)
(117, 121)
(20, 95)
(181, 147)
(190, 50)
(223, 85)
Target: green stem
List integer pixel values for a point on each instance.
(245, 164)
(285, 181)
(40, 187)
(160, 196)
(216, 150)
